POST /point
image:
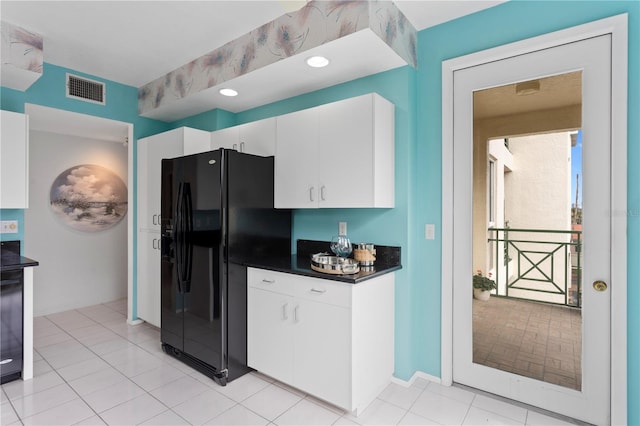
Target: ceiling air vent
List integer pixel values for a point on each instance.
(84, 89)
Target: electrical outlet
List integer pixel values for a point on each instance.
(342, 228)
(9, 227)
(430, 231)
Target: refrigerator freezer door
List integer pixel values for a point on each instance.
(192, 262)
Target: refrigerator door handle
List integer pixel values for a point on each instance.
(188, 229)
(177, 235)
(182, 231)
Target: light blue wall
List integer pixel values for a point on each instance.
(380, 226)
(49, 91)
(509, 22)
(208, 120)
(417, 96)
(13, 214)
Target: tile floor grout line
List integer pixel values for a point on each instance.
(147, 349)
(98, 414)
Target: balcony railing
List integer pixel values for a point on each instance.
(536, 264)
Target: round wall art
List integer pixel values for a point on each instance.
(89, 198)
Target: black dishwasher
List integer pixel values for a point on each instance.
(11, 325)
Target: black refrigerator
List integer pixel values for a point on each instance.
(217, 216)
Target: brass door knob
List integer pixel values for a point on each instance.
(599, 285)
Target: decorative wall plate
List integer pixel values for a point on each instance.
(89, 198)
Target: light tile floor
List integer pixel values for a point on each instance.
(91, 368)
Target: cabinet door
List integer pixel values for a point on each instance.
(269, 333)
(258, 137)
(296, 160)
(149, 277)
(14, 161)
(195, 141)
(151, 151)
(225, 138)
(322, 351)
(345, 135)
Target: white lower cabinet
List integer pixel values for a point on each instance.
(149, 286)
(269, 334)
(330, 339)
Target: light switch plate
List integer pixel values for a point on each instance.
(9, 227)
(430, 231)
(342, 228)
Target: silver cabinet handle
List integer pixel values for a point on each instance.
(296, 318)
(322, 189)
(266, 281)
(284, 312)
(153, 219)
(159, 219)
(315, 290)
(153, 243)
(241, 146)
(235, 146)
(311, 194)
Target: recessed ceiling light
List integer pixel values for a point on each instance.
(317, 61)
(228, 92)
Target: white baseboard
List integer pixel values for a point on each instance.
(416, 375)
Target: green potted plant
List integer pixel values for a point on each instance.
(482, 285)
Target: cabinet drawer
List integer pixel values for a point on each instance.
(270, 281)
(323, 291)
(315, 289)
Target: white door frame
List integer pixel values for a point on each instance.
(617, 27)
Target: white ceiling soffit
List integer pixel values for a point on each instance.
(427, 13)
(45, 119)
(268, 63)
(135, 42)
(355, 56)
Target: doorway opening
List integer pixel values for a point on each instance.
(526, 236)
(93, 264)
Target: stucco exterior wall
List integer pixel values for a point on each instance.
(515, 125)
(538, 196)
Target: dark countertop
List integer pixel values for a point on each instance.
(10, 259)
(388, 260)
(19, 263)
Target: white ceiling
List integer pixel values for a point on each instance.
(135, 42)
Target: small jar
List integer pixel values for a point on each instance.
(365, 254)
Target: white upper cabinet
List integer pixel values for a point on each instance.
(338, 155)
(296, 160)
(14, 161)
(257, 137)
(225, 138)
(151, 151)
(194, 141)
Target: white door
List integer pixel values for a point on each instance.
(593, 58)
